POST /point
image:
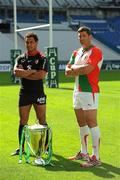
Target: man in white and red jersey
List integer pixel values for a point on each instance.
(31, 67)
(84, 65)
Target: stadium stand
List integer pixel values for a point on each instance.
(5, 2)
(111, 39)
(59, 4)
(85, 17)
(103, 30)
(23, 17)
(68, 15)
(93, 22)
(114, 23)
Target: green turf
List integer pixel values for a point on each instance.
(61, 118)
(104, 76)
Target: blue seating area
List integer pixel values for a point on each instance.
(93, 22)
(111, 39)
(31, 18)
(98, 26)
(59, 18)
(107, 31)
(1, 17)
(56, 18)
(78, 17)
(114, 23)
(26, 17)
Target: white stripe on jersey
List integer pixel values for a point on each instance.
(44, 63)
(100, 63)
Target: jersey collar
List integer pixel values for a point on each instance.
(32, 54)
(87, 49)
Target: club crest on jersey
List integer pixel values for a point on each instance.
(22, 60)
(29, 67)
(84, 59)
(36, 61)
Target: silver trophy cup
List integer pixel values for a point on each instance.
(38, 140)
(38, 134)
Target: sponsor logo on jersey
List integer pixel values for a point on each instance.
(41, 100)
(36, 61)
(29, 67)
(22, 60)
(29, 61)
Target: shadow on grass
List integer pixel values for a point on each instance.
(65, 88)
(63, 164)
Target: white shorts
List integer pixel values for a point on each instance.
(85, 100)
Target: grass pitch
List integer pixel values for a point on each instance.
(61, 119)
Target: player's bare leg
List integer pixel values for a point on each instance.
(24, 114)
(41, 113)
(84, 132)
(41, 117)
(91, 119)
(80, 117)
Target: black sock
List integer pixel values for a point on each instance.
(20, 134)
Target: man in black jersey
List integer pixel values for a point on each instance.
(31, 67)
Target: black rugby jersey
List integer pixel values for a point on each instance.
(37, 62)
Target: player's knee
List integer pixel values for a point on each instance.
(23, 121)
(91, 123)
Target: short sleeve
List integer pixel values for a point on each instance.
(44, 64)
(95, 57)
(18, 60)
(72, 58)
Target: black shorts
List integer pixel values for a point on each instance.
(27, 99)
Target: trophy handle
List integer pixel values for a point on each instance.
(25, 135)
(49, 154)
(21, 144)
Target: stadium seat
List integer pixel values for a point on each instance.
(111, 39)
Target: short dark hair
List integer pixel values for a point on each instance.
(31, 34)
(86, 29)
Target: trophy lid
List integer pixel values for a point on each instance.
(37, 127)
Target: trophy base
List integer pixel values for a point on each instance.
(39, 161)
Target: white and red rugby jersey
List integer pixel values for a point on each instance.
(93, 56)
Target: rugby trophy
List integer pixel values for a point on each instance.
(35, 137)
